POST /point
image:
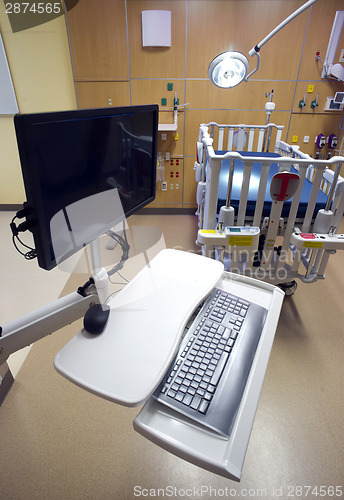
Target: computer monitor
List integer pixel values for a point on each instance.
(69, 156)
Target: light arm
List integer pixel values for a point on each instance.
(230, 68)
(256, 68)
(280, 26)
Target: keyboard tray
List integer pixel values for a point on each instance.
(177, 434)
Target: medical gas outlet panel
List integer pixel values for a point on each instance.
(169, 178)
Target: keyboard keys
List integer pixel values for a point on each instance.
(203, 406)
(179, 396)
(187, 399)
(193, 381)
(219, 369)
(196, 402)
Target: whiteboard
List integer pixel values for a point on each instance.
(8, 101)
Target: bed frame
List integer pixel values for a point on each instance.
(272, 246)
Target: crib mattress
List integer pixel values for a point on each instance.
(254, 185)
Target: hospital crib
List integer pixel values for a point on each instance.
(266, 209)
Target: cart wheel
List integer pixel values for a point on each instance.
(289, 288)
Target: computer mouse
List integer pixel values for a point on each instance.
(95, 318)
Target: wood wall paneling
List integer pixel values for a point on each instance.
(325, 88)
(202, 94)
(106, 66)
(103, 94)
(149, 91)
(98, 40)
(157, 62)
(302, 125)
(218, 26)
(318, 35)
(173, 143)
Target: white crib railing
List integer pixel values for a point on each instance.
(283, 265)
(234, 137)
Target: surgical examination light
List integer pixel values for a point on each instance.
(231, 68)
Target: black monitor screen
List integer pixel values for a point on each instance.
(69, 156)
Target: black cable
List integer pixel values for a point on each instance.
(32, 254)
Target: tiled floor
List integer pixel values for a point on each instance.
(58, 442)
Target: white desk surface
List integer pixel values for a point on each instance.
(126, 362)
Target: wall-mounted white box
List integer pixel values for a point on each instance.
(156, 28)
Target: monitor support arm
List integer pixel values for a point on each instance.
(25, 330)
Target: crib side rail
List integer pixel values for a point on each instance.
(244, 137)
(285, 149)
(278, 269)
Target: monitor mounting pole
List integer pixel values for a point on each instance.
(35, 325)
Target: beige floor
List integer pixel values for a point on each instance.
(60, 442)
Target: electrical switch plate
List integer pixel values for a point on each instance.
(164, 186)
(341, 57)
(310, 89)
(295, 138)
(306, 139)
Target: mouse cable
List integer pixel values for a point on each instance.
(122, 277)
(111, 294)
(123, 242)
